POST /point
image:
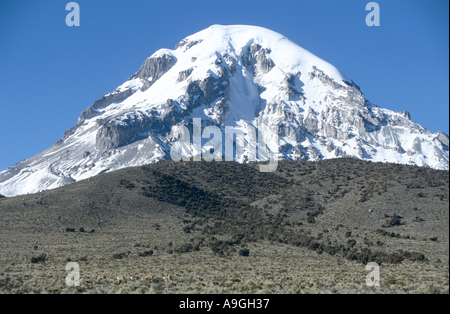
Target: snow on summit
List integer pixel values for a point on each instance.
(229, 76)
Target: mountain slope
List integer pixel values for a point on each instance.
(234, 76)
(316, 223)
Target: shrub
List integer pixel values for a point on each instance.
(244, 252)
(128, 185)
(40, 259)
(185, 248)
(119, 255)
(414, 256)
(313, 246)
(395, 221)
(351, 243)
(331, 250)
(146, 253)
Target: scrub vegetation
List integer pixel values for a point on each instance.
(223, 227)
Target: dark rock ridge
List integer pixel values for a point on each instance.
(257, 55)
(187, 44)
(123, 129)
(153, 68)
(215, 86)
(290, 86)
(443, 138)
(137, 125)
(183, 75)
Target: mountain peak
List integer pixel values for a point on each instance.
(229, 76)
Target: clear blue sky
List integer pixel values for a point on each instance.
(50, 72)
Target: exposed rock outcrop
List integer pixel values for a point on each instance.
(122, 130)
(258, 56)
(443, 138)
(155, 67)
(183, 75)
(212, 87)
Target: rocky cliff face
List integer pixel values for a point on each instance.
(229, 76)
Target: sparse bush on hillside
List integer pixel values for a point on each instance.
(146, 253)
(351, 243)
(185, 248)
(39, 259)
(120, 255)
(127, 184)
(394, 221)
(244, 252)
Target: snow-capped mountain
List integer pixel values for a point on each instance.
(229, 76)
